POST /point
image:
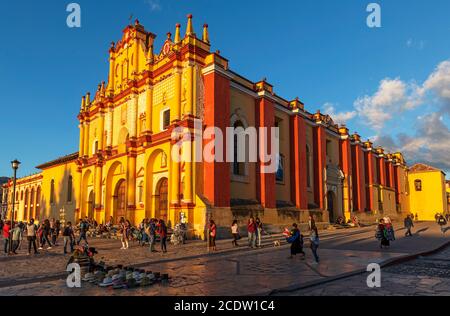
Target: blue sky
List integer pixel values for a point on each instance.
(390, 83)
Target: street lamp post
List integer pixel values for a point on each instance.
(15, 165)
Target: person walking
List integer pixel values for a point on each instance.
(46, 235)
(57, 230)
(296, 241)
(152, 234)
(84, 227)
(442, 222)
(251, 229)
(6, 236)
(212, 235)
(311, 222)
(235, 233)
(69, 237)
(53, 231)
(31, 231)
(259, 230)
(408, 225)
(314, 238)
(16, 236)
(162, 230)
(417, 217)
(381, 234)
(123, 226)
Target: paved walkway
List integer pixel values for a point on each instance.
(229, 272)
(425, 276)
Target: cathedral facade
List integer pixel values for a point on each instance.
(124, 165)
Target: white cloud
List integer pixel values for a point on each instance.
(340, 117)
(430, 144)
(419, 44)
(390, 98)
(439, 83)
(429, 141)
(154, 5)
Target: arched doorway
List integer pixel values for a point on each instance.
(90, 205)
(161, 199)
(331, 206)
(38, 203)
(120, 201)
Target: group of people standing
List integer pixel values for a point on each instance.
(296, 239)
(147, 232)
(40, 235)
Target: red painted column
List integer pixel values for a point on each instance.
(397, 183)
(265, 182)
(370, 169)
(319, 140)
(345, 163)
(298, 162)
(382, 166)
(390, 168)
(359, 183)
(216, 175)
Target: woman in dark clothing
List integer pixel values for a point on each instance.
(162, 230)
(296, 241)
(381, 234)
(46, 234)
(212, 235)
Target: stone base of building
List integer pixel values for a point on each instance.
(274, 220)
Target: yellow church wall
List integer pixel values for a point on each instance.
(60, 203)
(431, 199)
(24, 188)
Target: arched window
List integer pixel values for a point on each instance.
(52, 191)
(38, 202)
(141, 191)
(21, 195)
(17, 196)
(238, 167)
(26, 203)
(308, 167)
(280, 169)
(32, 203)
(69, 189)
(418, 185)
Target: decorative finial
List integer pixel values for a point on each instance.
(190, 28)
(88, 99)
(169, 35)
(177, 33)
(150, 54)
(205, 34)
(83, 103)
(136, 22)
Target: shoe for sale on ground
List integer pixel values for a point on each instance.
(106, 282)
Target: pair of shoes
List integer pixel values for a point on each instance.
(40, 248)
(48, 248)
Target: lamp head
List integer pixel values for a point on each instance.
(15, 164)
